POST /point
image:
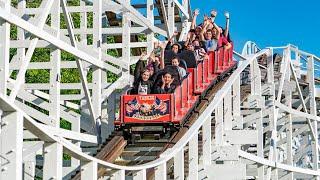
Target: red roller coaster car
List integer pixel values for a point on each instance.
(154, 113)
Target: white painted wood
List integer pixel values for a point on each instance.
(161, 172)
(119, 175)
(89, 171)
(171, 20)
(193, 158)
(219, 125)
(313, 111)
(97, 73)
(140, 175)
(179, 165)
(206, 141)
(11, 139)
(4, 50)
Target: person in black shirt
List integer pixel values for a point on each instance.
(166, 87)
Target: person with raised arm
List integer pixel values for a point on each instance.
(140, 65)
(170, 44)
(143, 85)
(212, 38)
(172, 49)
(207, 37)
(194, 20)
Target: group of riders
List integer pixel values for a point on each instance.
(164, 69)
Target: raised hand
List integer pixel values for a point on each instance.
(213, 13)
(227, 15)
(196, 12)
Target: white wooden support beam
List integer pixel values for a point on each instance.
(21, 52)
(186, 5)
(185, 30)
(70, 134)
(186, 19)
(285, 61)
(119, 175)
(29, 169)
(236, 101)
(289, 127)
(171, 20)
(29, 161)
(313, 111)
(46, 5)
(11, 141)
(52, 159)
(270, 80)
(83, 22)
(206, 140)
(52, 168)
(161, 172)
(260, 146)
(140, 175)
(126, 49)
(255, 76)
(150, 16)
(297, 62)
(273, 151)
(193, 158)
(182, 8)
(219, 125)
(270, 73)
(227, 111)
(75, 128)
(97, 73)
(89, 171)
(179, 165)
(83, 37)
(4, 49)
(165, 17)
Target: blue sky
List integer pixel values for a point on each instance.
(269, 23)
